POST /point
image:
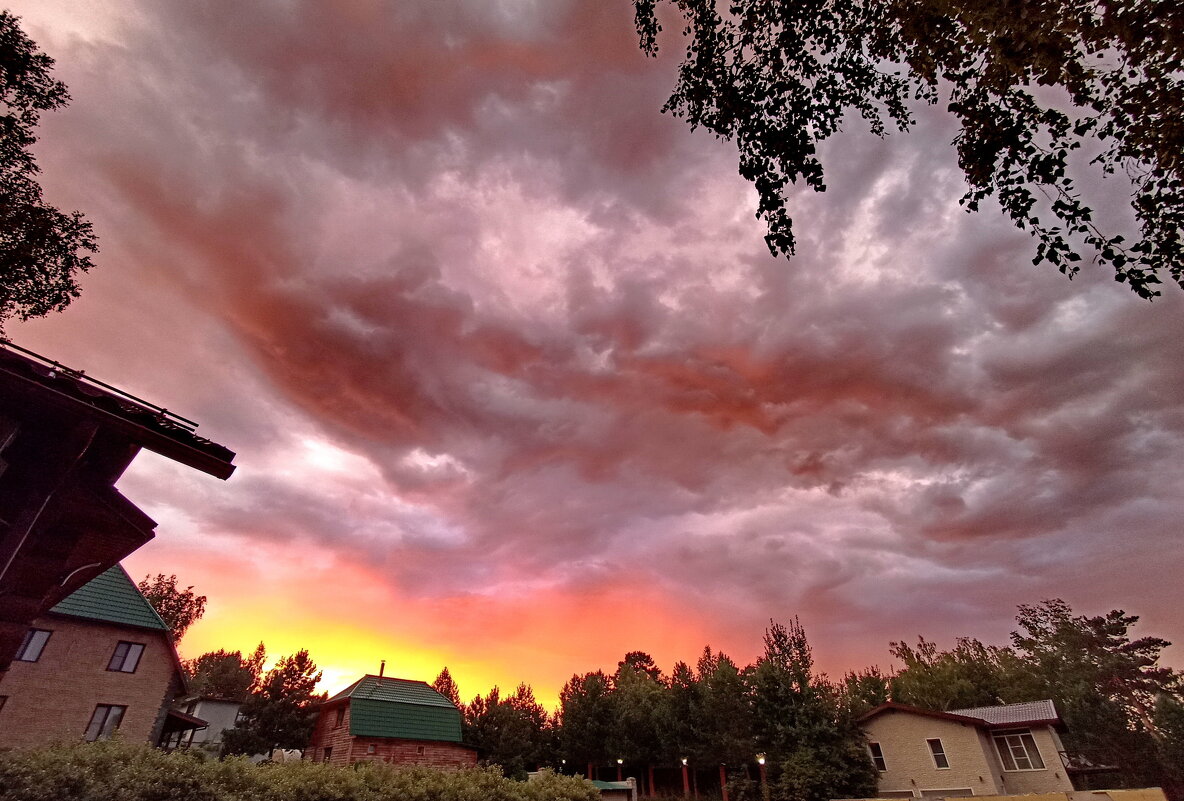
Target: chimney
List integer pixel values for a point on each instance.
(381, 668)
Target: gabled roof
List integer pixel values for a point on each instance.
(111, 597)
(1014, 714)
(1029, 713)
(388, 707)
(892, 706)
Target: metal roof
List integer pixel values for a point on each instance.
(1012, 714)
(402, 691)
(388, 707)
(111, 597)
(146, 424)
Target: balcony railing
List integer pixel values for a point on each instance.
(1079, 762)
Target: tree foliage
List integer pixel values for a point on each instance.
(1117, 701)
(817, 752)
(446, 686)
(727, 735)
(178, 608)
(512, 732)
(135, 772)
(41, 248)
(586, 718)
(971, 674)
(1029, 84)
(279, 712)
(638, 693)
(226, 674)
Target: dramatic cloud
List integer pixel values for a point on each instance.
(515, 385)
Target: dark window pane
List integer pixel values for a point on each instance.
(877, 756)
(96, 723)
(1033, 752)
(1004, 753)
(104, 722)
(126, 657)
(117, 658)
(33, 645)
(133, 657)
(939, 754)
(114, 718)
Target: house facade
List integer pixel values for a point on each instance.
(99, 662)
(65, 439)
(380, 719)
(219, 715)
(1000, 750)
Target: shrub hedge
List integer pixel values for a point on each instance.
(116, 770)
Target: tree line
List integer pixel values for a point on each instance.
(1121, 708)
(776, 726)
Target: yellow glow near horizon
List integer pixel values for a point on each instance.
(350, 617)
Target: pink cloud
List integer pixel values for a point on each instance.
(483, 324)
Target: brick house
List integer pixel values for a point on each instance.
(381, 719)
(997, 750)
(65, 439)
(98, 662)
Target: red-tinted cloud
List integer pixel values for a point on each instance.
(500, 345)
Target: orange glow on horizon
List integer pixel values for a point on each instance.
(350, 618)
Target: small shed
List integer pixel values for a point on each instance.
(383, 719)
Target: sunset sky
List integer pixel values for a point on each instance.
(515, 386)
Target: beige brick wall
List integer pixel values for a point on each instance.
(1052, 779)
(53, 699)
(974, 764)
(910, 767)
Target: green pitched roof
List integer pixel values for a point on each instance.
(386, 707)
(113, 598)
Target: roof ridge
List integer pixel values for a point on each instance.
(112, 597)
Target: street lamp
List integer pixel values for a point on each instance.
(620, 762)
(760, 760)
(686, 781)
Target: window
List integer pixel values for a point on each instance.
(939, 754)
(1017, 750)
(419, 750)
(33, 645)
(126, 657)
(340, 716)
(878, 756)
(372, 748)
(104, 722)
(327, 755)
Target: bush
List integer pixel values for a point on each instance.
(102, 771)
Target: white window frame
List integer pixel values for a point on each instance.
(877, 753)
(1010, 739)
(937, 748)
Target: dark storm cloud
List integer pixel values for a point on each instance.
(458, 242)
